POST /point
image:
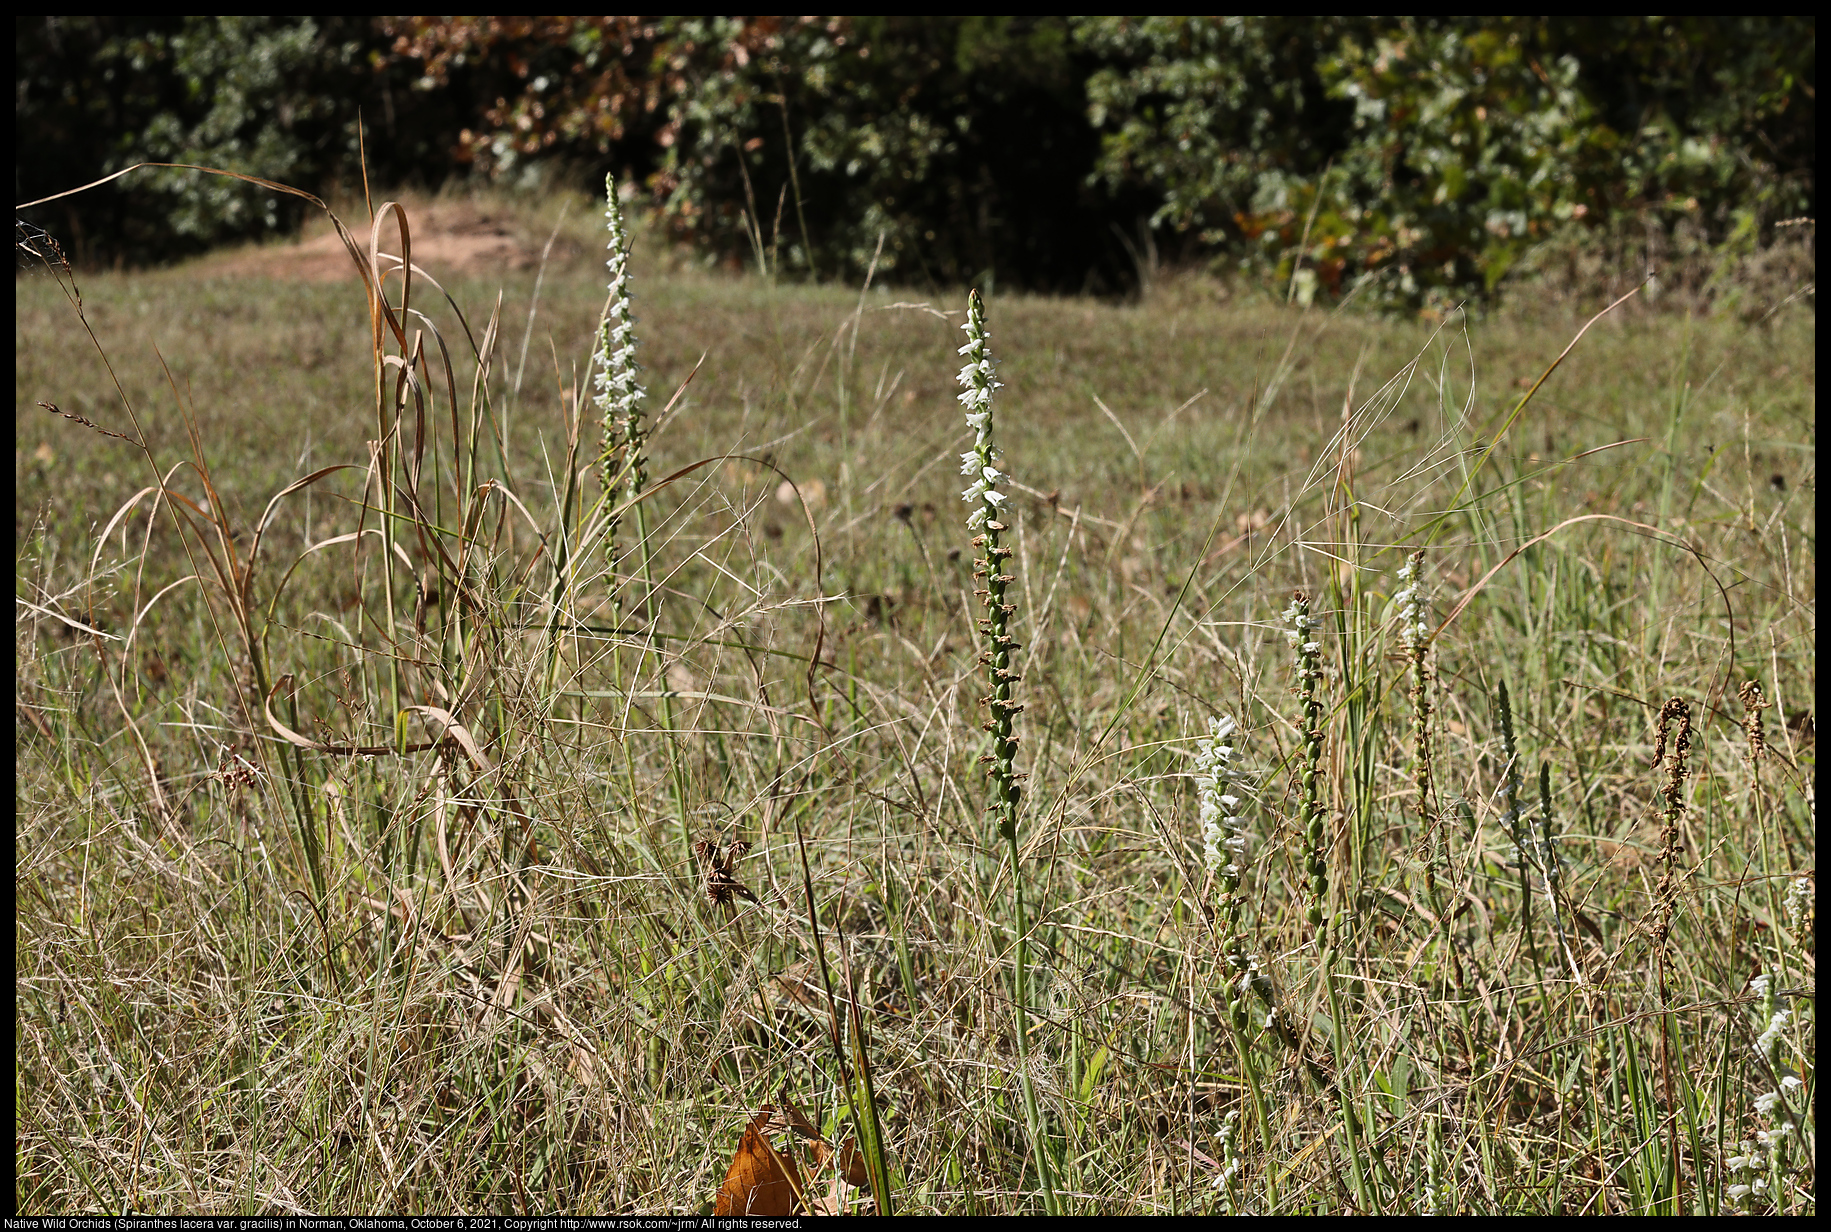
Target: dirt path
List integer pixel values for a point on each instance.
(449, 238)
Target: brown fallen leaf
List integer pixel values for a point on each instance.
(850, 1170)
(851, 1160)
(762, 1181)
(850, 1164)
(765, 1181)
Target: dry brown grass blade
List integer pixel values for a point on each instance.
(851, 1160)
(457, 731)
(285, 683)
(234, 175)
(343, 232)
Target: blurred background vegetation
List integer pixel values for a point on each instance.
(1417, 162)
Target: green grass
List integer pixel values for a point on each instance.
(475, 967)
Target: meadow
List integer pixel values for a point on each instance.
(1399, 794)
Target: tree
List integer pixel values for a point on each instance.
(1421, 158)
(265, 96)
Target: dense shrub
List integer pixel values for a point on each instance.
(1434, 153)
(961, 142)
(1416, 159)
(503, 96)
(265, 96)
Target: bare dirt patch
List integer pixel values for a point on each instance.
(449, 238)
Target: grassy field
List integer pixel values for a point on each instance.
(361, 812)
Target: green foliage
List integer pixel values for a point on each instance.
(497, 95)
(264, 96)
(1465, 143)
(960, 142)
(1215, 115)
(1420, 160)
(1463, 152)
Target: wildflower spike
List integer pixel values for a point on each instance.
(978, 382)
(621, 464)
(1309, 676)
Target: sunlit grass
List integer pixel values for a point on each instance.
(474, 965)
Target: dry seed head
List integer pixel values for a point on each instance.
(722, 885)
(1675, 710)
(1753, 703)
(90, 424)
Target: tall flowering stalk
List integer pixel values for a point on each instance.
(622, 458)
(1227, 856)
(1414, 634)
(1301, 635)
(1309, 677)
(1413, 601)
(978, 382)
(1224, 850)
(1511, 815)
(1675, 713)
(1551, 865)
(622, 466)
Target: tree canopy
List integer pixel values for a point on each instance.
(1412, 158)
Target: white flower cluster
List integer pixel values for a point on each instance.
(1769, 1042)
(1223, 831)
(1755, 1164)
(1748, 1165)
(1763, 1161)
(1798, 898)
(1299, 632)
(977, 381)
(1414, 604)
(619, 394)
(1767, 1102)
(1227, 1139)
(1255, 982)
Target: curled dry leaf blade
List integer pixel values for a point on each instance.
(849, 1164)
(851, 1161)
(791, 1117)
(852, 1166)
(761, 1181)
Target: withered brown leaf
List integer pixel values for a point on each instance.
(761, 1181)
(765, 1181)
